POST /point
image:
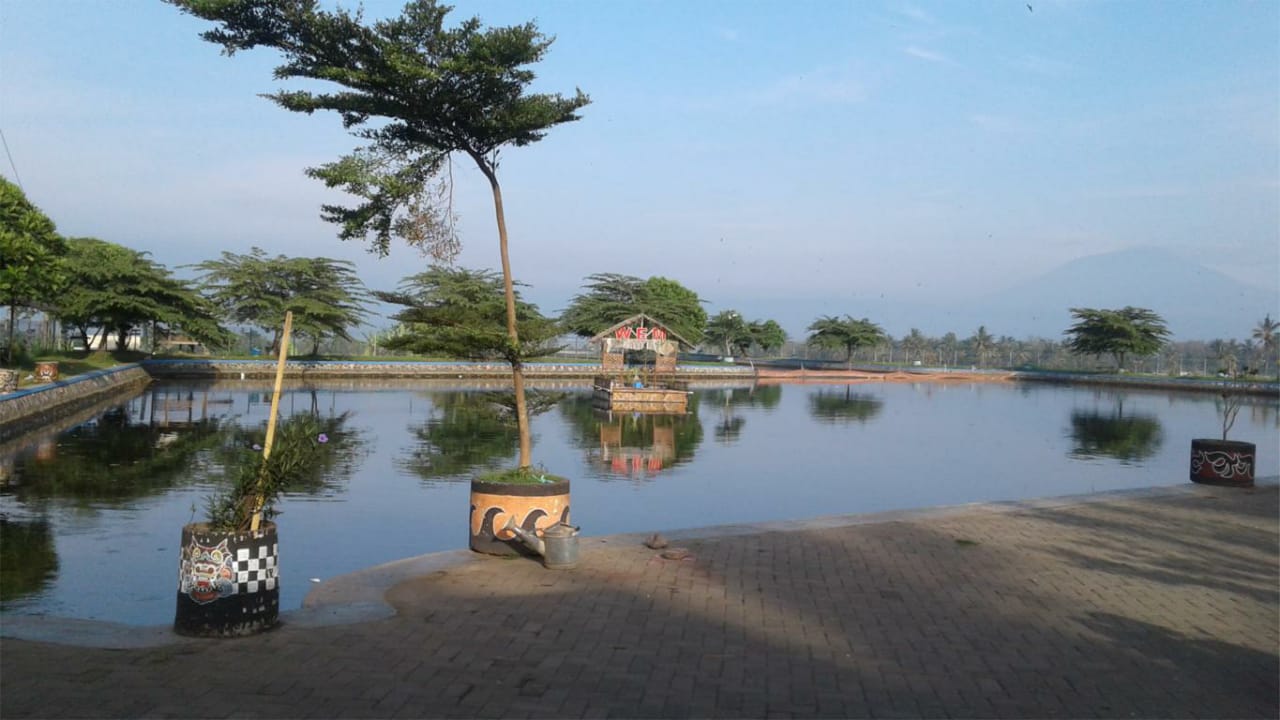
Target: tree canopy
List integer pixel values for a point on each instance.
(31, 251)
(845, 333)
(611, 298)
(732, 332)
(117, 289)
(1123, 332)
(325, 295)
(461, 313)
(430, 91)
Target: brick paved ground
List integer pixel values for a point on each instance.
(1164, 605)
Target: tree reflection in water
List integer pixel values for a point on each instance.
(729, 427)
(28, 560)
(1127, 439)
(468, 433)
(842, 407)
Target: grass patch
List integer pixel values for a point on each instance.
(965, 542)
(521, 476)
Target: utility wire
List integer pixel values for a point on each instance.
(10, 156)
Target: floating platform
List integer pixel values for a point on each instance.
(618, 395)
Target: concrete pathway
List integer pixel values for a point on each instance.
(1157, 604)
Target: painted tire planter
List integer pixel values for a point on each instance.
(534, 507)
(228, 582)
(1222, 462)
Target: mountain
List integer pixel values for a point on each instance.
(1197, 303)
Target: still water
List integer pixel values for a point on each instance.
(91, 518)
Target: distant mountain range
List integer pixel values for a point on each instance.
(1197, 303)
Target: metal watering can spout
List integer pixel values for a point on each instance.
(558, 545)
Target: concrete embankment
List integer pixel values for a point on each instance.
(1269, 389)
(33, 407)
(306, 369)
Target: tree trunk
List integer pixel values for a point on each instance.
(508, 289)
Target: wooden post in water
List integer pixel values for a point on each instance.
(275, 409)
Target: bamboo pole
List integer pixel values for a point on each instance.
(261, 500)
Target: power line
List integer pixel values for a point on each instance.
(10, 156)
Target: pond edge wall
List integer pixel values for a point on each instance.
(31, 408)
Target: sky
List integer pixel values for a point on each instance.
(785, 160)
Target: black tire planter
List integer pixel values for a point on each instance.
(228, 582)
(534, 507)
(1222, 462)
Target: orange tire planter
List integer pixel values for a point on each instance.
(534, 507)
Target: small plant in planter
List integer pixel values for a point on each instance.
(228, 580)
(1221, 461)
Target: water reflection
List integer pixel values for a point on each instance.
(115, 458)
(843, 406)
(1127, 438)
(729, 427)
(28, 561)
(467, 432)
(633, 445)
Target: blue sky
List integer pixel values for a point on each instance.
(805, 155)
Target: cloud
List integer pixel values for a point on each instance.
(916, 14)
(825, 85)
(929, 55)
(726, 34)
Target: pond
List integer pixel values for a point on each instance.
(91, 518)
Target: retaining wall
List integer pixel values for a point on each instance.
(32, 407)
(226, 369)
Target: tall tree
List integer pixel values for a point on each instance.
(611, 298)
(325, 295)
(914, 344)
(768, 334)
(462, 313)
(31, 252)
(1120, 333)
(982, 341)
(728, 330)
(1266, 336)
(430, 91)
(844, 333)
(119, 289)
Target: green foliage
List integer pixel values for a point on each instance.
(844, 407)
(729, 330)
(521, 476)
(307, 450)
(1267, 335)
(981, 342)
(1129, 330)
(118, 289)
(428, 90)
(845, 333)
(28, 557)
(462, 313)
(611, 298)
(467, 432)
(768, 334)
(31, 251)
(1125, 438)
(325, 295)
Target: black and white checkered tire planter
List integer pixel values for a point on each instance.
(256, 568)
(228, 582)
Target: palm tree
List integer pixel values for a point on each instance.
(982, 342)
(1266, 335)
(914, 343)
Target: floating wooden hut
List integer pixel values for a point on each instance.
(615, 390)
(619, 395)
